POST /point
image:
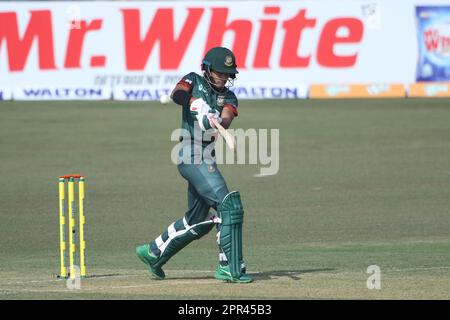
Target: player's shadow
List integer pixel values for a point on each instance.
(172, 275)
(292, 274)
(258, 276)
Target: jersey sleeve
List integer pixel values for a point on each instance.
(231, 103)
(187, 81)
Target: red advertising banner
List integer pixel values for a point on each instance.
(139, 50)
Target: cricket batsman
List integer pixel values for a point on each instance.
(205, 100)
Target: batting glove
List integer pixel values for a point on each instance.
(199, 108)
(213, 114)
(207, 123)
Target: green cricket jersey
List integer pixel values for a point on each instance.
(199, 88)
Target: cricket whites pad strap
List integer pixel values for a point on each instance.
(232, 215)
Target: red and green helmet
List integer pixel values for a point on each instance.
(222, 60)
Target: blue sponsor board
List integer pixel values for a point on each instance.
(242, 92)
(140, 94)
(62, 93)
(433, 35)
(274, 92)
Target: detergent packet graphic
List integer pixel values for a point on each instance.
(433, 37)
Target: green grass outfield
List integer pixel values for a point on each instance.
(361, 182)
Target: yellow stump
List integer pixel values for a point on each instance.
(62, 228)
(81, 226)
(70, 268)
(72, 230)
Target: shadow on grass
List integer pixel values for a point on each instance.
(193, 277)
(95, 276)
(292, 274)
(105, 275)
(266, 275)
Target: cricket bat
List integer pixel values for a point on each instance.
(229, 139)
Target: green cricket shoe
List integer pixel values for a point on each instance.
(223, 273)
(143, 253)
